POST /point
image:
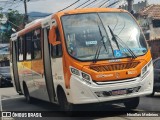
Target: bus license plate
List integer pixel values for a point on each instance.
(119, 92)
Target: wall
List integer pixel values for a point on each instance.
(136, 7)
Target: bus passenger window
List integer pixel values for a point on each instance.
(20, 48)
(36, 44)
(28, 46)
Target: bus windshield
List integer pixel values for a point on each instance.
(103, 36)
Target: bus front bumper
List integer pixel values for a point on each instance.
(81, 92)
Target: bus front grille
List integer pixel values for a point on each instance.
(122, 66)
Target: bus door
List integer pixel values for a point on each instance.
(15, 67)
(21, 58)
(37, 65)
(47, 67)
(56, 59)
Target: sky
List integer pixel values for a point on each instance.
(51, 6)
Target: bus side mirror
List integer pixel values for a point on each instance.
(53, 37)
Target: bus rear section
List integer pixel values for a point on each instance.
(92, 55)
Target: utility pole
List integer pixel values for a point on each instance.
(130, 5)
(25, 7)
(26, 16)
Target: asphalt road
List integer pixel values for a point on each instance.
(11, 101)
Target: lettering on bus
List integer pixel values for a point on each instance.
(117, 60)
(104, 75)
(132, 72)
(58, 77)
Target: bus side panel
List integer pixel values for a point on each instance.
(26, 75)
(39, 80)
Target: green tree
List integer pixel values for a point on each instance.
(15, 17)
(15, 20)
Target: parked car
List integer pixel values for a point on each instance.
(5, 76)
(156, 65)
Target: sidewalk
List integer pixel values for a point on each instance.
(8, 91)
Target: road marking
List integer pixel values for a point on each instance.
(138, 110)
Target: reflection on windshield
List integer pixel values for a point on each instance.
(84, 33)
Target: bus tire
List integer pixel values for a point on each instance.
(26, 93)
(152, 94)
(64, 104)
(132, 103)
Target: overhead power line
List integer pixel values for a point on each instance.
(5, 3)
(96, 4)
(69, 6)
(90, 3)
(104, 3)
(82, 4)
(9, 6)
(113, 3)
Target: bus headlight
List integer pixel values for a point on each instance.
(75, 71)
(82, 75)
(85, 76)
(145, 69)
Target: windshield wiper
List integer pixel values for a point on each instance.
(105, 32)
(102, 39)
(99, 46)
(97, 53)
(126, 47)
(113, 37)
(121, 41)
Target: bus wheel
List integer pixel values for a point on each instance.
(26, 93)
(152, 94)
(64, 104)
(132, 103)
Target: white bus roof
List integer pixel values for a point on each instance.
(33, 22)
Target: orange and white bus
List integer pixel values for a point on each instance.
(82, 56)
